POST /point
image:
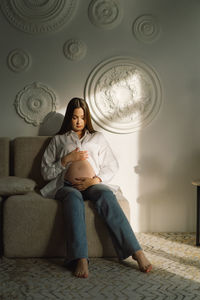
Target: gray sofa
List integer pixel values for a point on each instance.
(33, 225)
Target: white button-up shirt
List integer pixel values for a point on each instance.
(100, 157)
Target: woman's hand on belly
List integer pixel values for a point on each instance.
(82, 183)
(75, 155)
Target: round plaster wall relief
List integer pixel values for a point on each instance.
(39, 16)
(123, 94)
(34, 103)
(146, 28)
(18, 60)
(74, 49)
(105, 14)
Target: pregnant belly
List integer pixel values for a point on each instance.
(79, 169)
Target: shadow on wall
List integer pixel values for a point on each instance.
(51, 124)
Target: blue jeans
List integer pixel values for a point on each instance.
(105, 202)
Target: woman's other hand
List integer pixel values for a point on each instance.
(78, 155)
(75, 155)
(83, 183)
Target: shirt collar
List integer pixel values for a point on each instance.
(73, 134)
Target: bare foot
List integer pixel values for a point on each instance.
(143, 263)
(82, 268)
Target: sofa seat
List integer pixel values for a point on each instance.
(34, 227)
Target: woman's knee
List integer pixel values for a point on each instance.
(101, 192)
(68, 193)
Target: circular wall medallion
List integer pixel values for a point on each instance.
(105, 14)
(34, 103)
(146, 28)
(18, 60)
(38, 16)
(123, 94)
(74, 49)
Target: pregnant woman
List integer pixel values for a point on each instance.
(79, 164)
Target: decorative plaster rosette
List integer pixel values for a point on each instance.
(146, 28)
(74, 49)
(105, 14)
(123, 94)
(34, 103)
(18, 60)
(39, 16)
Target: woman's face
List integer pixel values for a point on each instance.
(78, 120)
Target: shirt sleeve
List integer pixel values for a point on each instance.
(107, 162)
(51, 167)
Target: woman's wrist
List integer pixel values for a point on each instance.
(65, 160)
(63, 163)
(97, 179)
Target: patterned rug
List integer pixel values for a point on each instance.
(175, 274)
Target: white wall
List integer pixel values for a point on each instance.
(157, 163)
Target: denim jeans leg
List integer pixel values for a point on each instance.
(105, 202)
(74, 219)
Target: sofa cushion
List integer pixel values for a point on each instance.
(33, 227)
(27, 155)
(12, 185)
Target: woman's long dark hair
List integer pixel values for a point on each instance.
(72, 105)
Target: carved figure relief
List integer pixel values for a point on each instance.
(123, 94)
(34, 103)
(18, 60)
(105, 14)
(39, 16)
(74, 49)
(146, 28)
